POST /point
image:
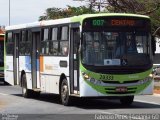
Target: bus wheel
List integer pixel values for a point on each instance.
(64, 93)
(127, 100)
(25, 92)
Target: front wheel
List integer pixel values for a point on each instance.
(127, 100)
(64, 93)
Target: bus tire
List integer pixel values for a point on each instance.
(127, 100)
(25, 91)
(64, 93)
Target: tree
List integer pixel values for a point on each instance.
(55, 13)
(145, 7)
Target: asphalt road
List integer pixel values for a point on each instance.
(48, 107)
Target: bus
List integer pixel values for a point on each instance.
(81, 56)
(1, 56)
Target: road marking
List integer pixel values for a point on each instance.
(3, 94)
(147, 102)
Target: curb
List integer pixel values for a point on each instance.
(155, 94)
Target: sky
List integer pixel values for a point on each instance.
(26, 11)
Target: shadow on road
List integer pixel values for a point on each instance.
(4, 84)
(94, 103)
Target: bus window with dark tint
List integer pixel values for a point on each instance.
(9, 37)
(45, 42)
(22, 44)
(64, 33)
(64, 41)
(28, 43)
(54, 33)
(45, 34)
(53, 45)
(9, 44)
(16, 43)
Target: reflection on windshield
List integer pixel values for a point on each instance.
(108, 48)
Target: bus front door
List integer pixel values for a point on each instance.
(16, 58)
(74, 60)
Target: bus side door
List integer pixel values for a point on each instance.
(16, 37)
(74, 59)
(35, 58)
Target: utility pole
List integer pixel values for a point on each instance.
(95, 3)
(9, 11)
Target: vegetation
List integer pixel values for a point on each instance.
(144, 7)
(55, 13)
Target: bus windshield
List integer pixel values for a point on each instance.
(115, 48)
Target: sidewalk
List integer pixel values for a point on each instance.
(157, 84)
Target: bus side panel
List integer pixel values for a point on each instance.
(50, 73)
(29, 80)
(9, 78)
(25, 65)
(50, 83)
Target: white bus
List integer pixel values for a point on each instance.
(83, 56)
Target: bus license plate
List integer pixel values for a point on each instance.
(121, 89)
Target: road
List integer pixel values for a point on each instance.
(47, 106)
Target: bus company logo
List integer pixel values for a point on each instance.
(48, 67)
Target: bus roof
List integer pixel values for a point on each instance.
(79, 19)
(82, 17)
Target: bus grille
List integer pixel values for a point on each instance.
(118, 82)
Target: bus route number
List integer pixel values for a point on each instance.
(106, 77)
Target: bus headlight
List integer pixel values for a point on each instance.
(85, 75)
(92, 80)
(98, 82)
(147, 79)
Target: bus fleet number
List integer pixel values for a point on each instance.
(106, 77)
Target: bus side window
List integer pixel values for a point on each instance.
(28, 43)
(53, 45)
(45, 42)
(22, 44)
(9, 45)
(64, 41)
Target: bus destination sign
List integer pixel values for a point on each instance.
(114, 22)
